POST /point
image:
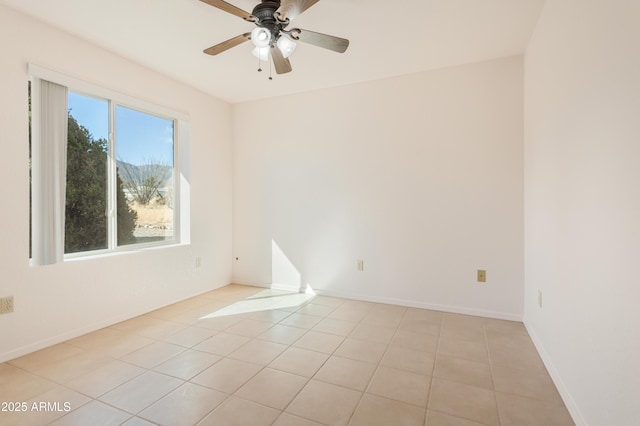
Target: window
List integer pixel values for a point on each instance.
(144, 153)
(143, 147)
(115, 163)
(87, 178)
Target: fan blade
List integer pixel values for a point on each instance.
(325, 41)
(281, 63)
(289, 9)
(223, 5)
(226, 45)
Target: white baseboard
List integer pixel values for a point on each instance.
(24, 350)
(557, 379)
(400, 302)
(283, 287)
(423, 305)
(63, 337)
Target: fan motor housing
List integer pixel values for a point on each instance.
(265, 10)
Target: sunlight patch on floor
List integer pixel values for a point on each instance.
(264, 301)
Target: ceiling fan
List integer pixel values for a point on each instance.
(270, 37)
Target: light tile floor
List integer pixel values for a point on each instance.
(248, 356)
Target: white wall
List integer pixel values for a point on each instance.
(582, 204)
(420, 176)
(57, 302)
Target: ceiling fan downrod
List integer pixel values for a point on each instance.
(267, 18)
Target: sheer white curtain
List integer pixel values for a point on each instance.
(49, 151)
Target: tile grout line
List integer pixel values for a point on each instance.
(148, 369)
(290, 345)
(379, 363)
(433, 370)
(329, 355)
(493, 383)
(369, 310)
(325, 361)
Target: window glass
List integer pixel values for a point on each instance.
(87, 185)
(144, 152)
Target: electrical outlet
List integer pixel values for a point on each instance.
(198, 262)
(482, 276)
(6, 305)
(360, 265)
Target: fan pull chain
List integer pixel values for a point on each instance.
(268, 60)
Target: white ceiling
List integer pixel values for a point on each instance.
(388, 38)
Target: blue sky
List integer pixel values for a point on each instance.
(140, 137)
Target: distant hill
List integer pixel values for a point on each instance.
(142, 171)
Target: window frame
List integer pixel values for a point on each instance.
(180, 142)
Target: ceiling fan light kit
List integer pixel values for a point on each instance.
(261, 37)
(261, 53)
(286, 46)
(271, 37)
